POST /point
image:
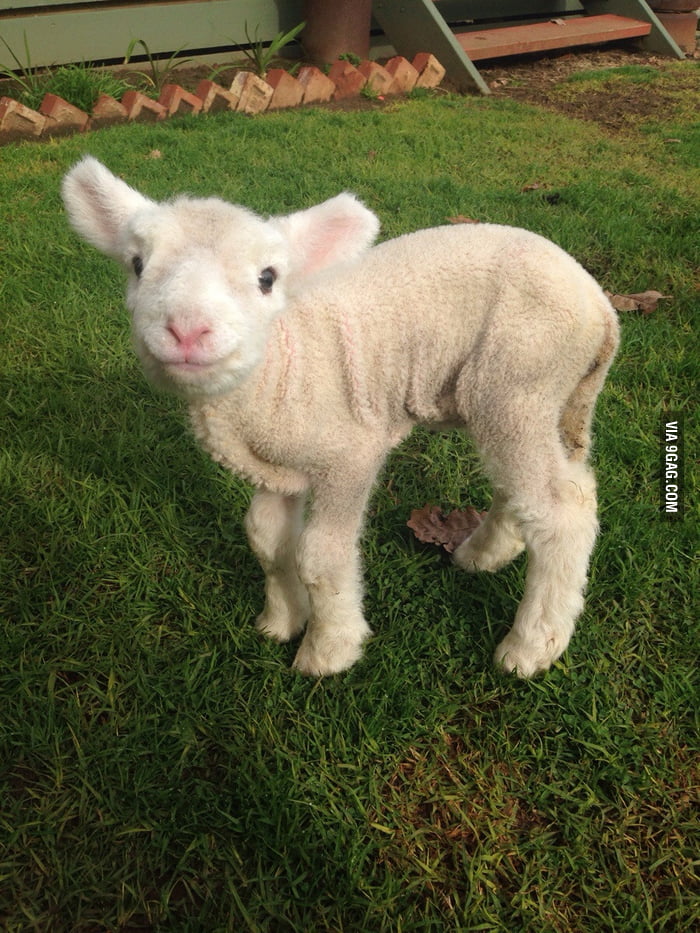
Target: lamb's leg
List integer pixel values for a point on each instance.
(274, 524)
(330, 566)
(559, 523)
(495, 542)
(557, 509)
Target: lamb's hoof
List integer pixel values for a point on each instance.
(525, 658)
(324, 655)
(473, 557)
(281, 628)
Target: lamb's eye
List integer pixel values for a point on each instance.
(137, 263)
(266, 280)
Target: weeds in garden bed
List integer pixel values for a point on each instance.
(262, 55)
(159, 72)
(161, 768)
(80, 85)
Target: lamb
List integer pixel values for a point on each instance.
(306, 354)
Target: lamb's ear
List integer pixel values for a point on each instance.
(336, 231)
(99, 204)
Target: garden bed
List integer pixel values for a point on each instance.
(76, 99)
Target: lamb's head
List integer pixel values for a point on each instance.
(206, 278)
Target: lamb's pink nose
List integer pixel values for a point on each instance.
(188, 340)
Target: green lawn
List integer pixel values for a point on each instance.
(161, 768)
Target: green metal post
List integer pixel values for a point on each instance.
(658, 39)
(414, 26)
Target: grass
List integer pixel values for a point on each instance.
(161, 768)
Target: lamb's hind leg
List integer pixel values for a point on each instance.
(557, 511)
(274, 524)
(550, 500)
(556, 504)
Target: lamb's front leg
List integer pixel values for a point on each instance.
(274, 524)
(330, 566)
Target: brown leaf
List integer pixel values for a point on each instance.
(646, 302)
(432, 526)
(461, 219)
(535, 186)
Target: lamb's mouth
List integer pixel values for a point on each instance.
(188, 368)
(177, 369)
(190, 378)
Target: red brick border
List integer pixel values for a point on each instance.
(107, 111)
(247, 94)
(378, 79)
(214, 97)
(287, 91)
(177, 100)
(18, 121)
(318, 88)
(142, 108)
(403, 73)
(62, 118)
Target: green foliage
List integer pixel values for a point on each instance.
(28, 79)
(160, 71)
(81, 85)
(262, 54)
(161, 768)
(369, 92)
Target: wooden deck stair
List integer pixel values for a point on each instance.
(498, 28)
(559, 33)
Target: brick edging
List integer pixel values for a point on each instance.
(248, 94)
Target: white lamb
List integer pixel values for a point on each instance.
(306, 357)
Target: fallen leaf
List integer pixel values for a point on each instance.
(535, 186)
(461, 219)
(646, 302)
(623, 302)
(432, 526)
(155, 154)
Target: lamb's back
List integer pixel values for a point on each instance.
(403, 321)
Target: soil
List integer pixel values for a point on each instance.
(534, 78)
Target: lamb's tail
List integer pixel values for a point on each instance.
(577, 414)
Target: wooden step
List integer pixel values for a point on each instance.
(542, 37)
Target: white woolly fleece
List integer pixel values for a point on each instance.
(306, 356)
